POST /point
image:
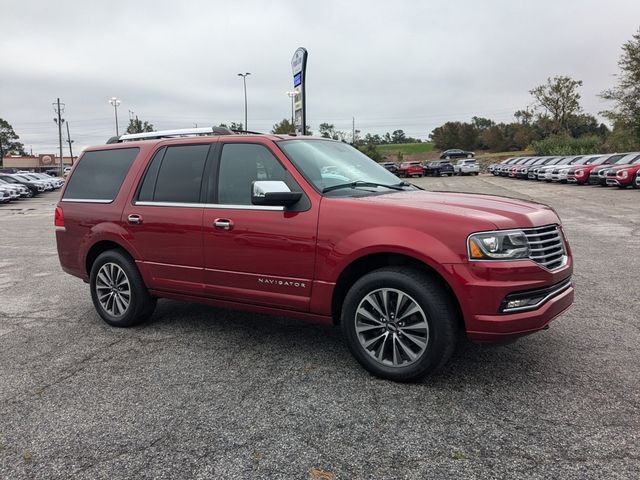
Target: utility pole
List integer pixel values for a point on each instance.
(58, 109)
(292, 96)
(353, 131)
(70, 142)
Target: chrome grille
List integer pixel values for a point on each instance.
(546, 246)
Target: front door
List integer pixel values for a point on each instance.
(257, 254)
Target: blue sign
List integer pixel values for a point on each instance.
(297, 79)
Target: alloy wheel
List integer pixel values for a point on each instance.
(392, 327)
(113, 289)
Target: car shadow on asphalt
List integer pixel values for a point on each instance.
(299, 342)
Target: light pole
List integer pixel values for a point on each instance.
(244, 82)
(292, 96)
(115, 102)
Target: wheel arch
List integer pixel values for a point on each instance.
(102, 246)
(374, 261)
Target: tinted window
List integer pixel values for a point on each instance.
(149, 183)
(99, 175)
(180, 174)
(243, 163)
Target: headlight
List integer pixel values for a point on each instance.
(498, 245)
(622, 174)
(578, 173)
(525, 171)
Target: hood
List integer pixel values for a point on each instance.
(615, 168)
(497, 212)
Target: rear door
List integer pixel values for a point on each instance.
(164, 220)
(257, 254)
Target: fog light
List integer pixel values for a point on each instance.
(516, 303)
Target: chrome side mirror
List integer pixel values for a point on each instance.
(273, 192)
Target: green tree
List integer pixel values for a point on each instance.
(559, 97)
(482, 124)
(232, 126)
(446, 136)
(524, 117)
(493, 138)
(138, 126)
(468, 136)
(283, 127)
(9, 141)
(625, 95)
(371, 151)
(398, 136)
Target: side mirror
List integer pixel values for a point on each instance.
(273, 192)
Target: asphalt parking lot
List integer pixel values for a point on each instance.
(201, 392)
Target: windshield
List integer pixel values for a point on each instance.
(326, 163)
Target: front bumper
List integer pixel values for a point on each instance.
(483, 287)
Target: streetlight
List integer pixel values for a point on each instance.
(292, 95)
(115, 102)
(244, 81)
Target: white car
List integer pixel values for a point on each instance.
(466, 167)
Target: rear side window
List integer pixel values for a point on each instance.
(175, 175)
(99, 175)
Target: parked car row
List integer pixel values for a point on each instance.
(610, 169)
(435, 168)
(14, 186)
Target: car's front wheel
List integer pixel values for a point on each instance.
(119, 295)
(399, 323)
(636, 181)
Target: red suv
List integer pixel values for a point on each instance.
(410, 169)
(313, 229)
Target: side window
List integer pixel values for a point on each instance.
(100, 174)
(180, 174)
(243, 163)
(148, 186)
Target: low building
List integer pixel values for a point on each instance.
(36, 163)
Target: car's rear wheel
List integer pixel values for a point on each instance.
(399, 323)
(119, 295)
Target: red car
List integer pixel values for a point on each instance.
(580, 174)
(624, 176)
(312, 229)
(410, 169)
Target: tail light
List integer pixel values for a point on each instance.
(59, 218)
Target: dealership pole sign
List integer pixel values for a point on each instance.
(299, 68)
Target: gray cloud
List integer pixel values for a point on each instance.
(402, 64)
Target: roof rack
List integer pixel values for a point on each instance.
(247, 132)
(187, 132)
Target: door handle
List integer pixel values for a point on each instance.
(222, 224)
(135, 219)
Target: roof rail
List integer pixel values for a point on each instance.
(248, 132)
(187, 132)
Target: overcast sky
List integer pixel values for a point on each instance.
(390, 64)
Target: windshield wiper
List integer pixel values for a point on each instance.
(362, 183)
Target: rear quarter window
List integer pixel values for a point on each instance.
(99, 175)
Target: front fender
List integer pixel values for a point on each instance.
(401, 240)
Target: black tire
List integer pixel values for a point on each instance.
(634, 182)
(141, 304)
(440, 314)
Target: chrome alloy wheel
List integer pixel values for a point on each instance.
(391, 327)
(113, 289)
